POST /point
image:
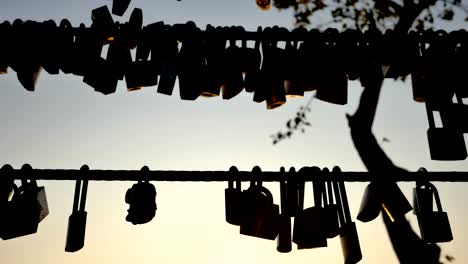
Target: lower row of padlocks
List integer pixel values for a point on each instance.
(254, 211)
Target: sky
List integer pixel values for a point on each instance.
(65, 124)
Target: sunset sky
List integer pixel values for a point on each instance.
(65, 124)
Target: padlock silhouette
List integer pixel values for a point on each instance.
(120, 6)
(5, 31)
(370, 204)
(445, 143)
(164, 55)
(101, 78)
(434, 225)
(214, 49)
(232, 79)
(260, 213)
(349, 238)
(27, 208)
(453, 115)
(141, 198)
(76, 231)
(48, 55)
(310, 224)
(103, 24)
(233, 200)
(293, 193)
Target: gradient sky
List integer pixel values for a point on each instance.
(65, 124)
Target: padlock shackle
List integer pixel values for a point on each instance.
(76, 197)
(344, 197)
(436, 196)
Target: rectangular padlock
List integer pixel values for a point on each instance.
(76, 231)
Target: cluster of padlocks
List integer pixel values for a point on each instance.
(254, 211)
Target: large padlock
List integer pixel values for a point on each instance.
(233, 200)
(261, 214)
(445, 143)
(348, 233)
(310, 224)
(434, 225)
(27, 208)
(76, 231)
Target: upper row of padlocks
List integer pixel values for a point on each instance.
(207, 67)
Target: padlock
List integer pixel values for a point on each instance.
(191, 65)
(76, 231)
(130, 32)
(103, 24)
(66, 51)
(214, 49)
(334, 82)
(24, 211)
(48, 46)
(87, 51)
(434, 225)
(332, 225)
(252, 60)
(5, 57)
(261, 214)
(233, 200)
(310, 224)
(393, 201)
(294, 83)
(164, 55)
(370, 204)
(119, 59)
(445, 143)
(142, 200)
(349, 238)
(119, 7)
(453, 115)
(293, 206)
(101, 78)
(7, 186)
(232, 79)
(140, 74)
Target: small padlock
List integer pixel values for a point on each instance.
(232, 79)
(7, 186)
(310, 224)
(434, 225)
(76, 231)
(292, 206)
(48, 55)
(5, 31)
(233, 200)
(252, 60)
(348, 233)
(142, 200)
(445, 143)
